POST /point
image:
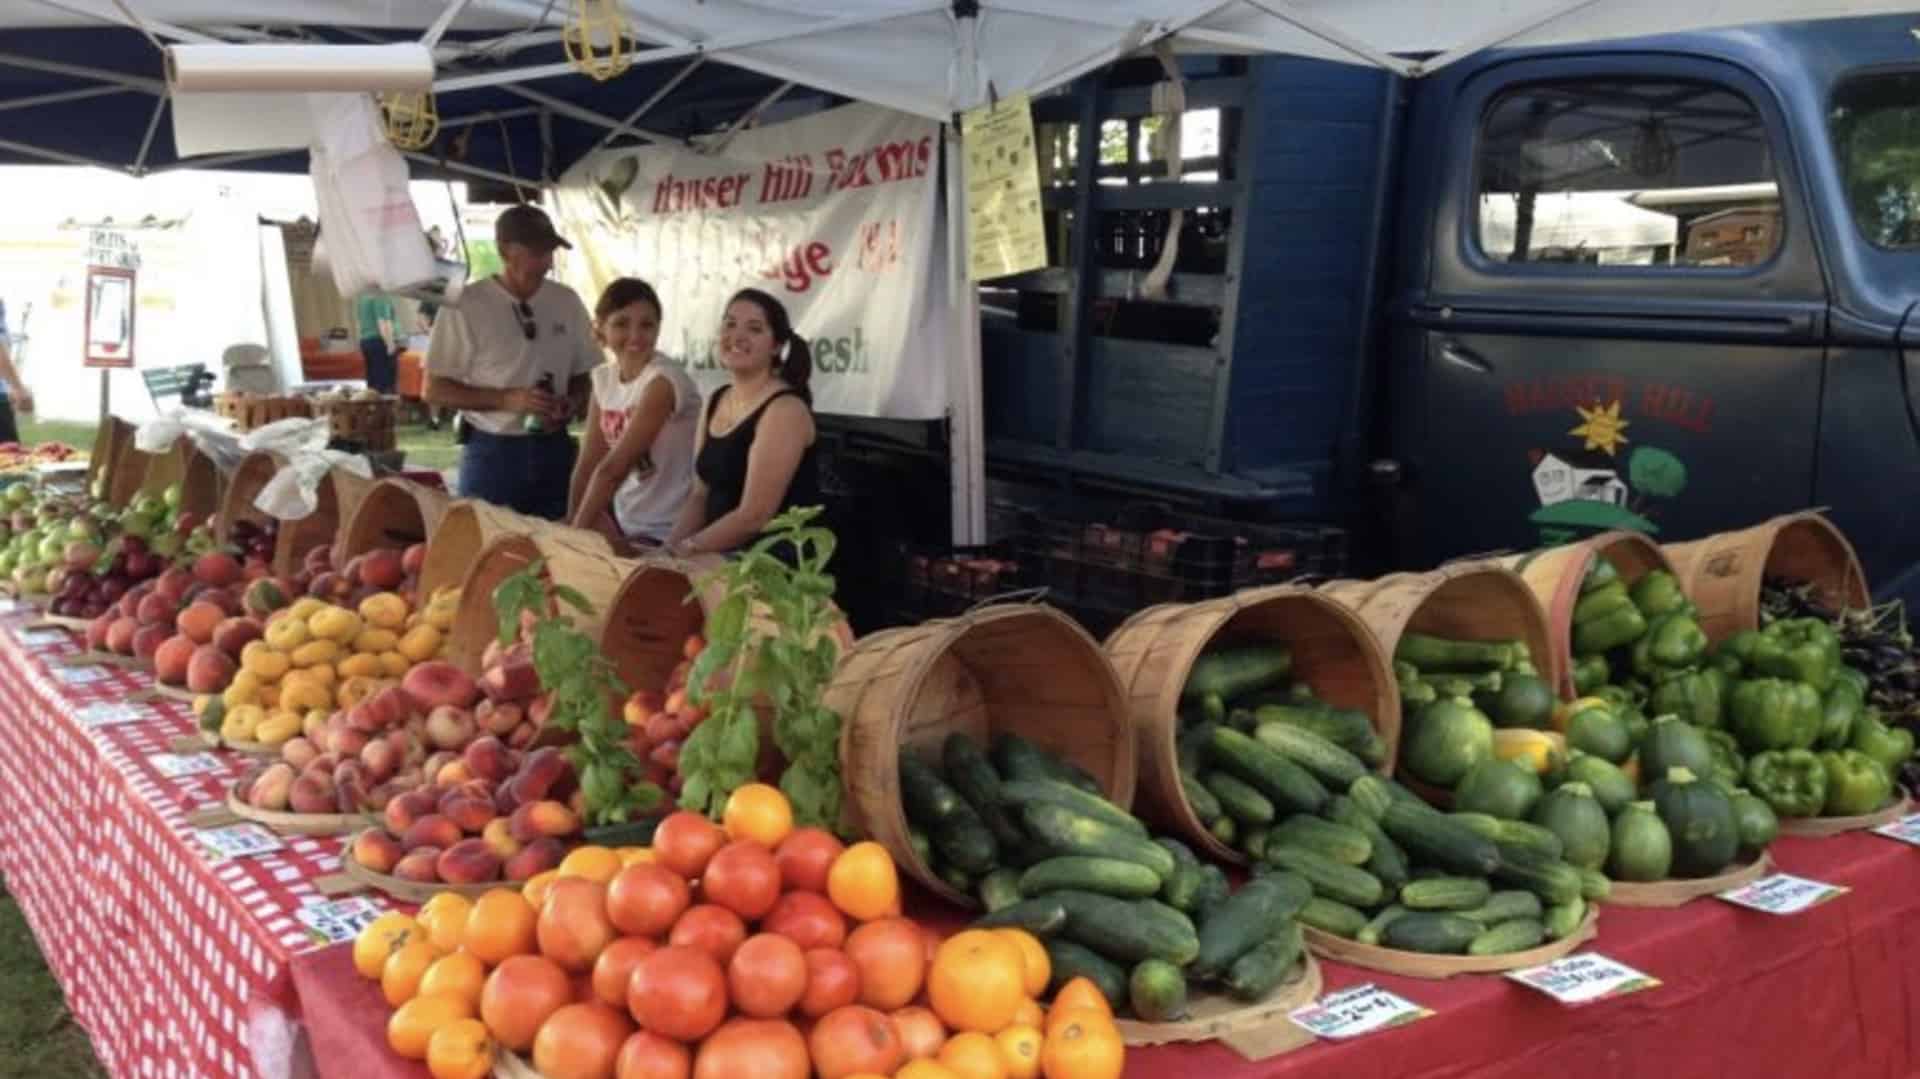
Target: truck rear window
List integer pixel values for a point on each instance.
(1875, 120)
(1614, 171)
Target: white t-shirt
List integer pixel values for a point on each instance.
(648, 501)
(483, 342)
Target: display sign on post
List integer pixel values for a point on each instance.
(112, 265)
(1006, 232)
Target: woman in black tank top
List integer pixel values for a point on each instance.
(756, 453)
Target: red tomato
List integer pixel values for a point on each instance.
(761, 1048)
(805, 856)
(744, 878)
(678, 993)
(809, 919)
(716, 931)
(645, 900)
(685, 841)
(767, 976)
(833, 981)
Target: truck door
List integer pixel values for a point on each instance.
(1623, 319)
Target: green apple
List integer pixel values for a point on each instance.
(164, 545)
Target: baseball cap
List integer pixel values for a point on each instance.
(528, 225)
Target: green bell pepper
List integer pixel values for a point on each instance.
(1658, 593)
(1803, 649)
(1601, 602)
(1792, 781)
(1695, 696)
(1417, 695)
(1840, 710)
(1673, 642)
(1773, 713)
(1622, 698)
(1860, 682)
(1891, 746)
(1729, 767)
(1620, 627)
(1590, 673)
(1600, 573)
(1856, 783)
(1735, 654)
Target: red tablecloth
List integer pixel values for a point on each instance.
(174, 965)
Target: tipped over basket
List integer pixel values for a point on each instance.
(467, 526)
(1555, 575)
(1722, 573)
(1154, 652)
(395, 513)
(594, 574)
(1021, 668)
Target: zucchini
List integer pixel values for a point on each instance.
(1432, 839)
(1370, 933)
(1202, 801)
(1184, 887)
(1446, 893)
(970, 773)
(1431, 933)
(1245, 918)
(1063, 831)
(1290, 786)
(1158, 991)
(1128, 931)
(1349, 846)
(1261, 970)
(1386, 861)
(1107, 876)
(1330, 917)
(929, 799)
(1562, 919)
(1021, 793)
(1042, 916)
(1553, 880)
(1594, 884)
(1254, 840)
(1238, 670)
(1516, 935)
(1347, 884)
(1505, 907)
(1070, 961)
(1240, 800)
(999, 889)
(1329, 763)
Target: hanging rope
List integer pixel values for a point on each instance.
(411, 117)
(594, 26)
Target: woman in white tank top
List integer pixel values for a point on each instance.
(637, 465)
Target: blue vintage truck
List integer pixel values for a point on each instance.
(1666, 284)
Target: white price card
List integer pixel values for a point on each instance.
(181, 765)
(40, 638)
(1582, 979)
(1783, 893)
(1353, 1012)
(330, 921)
(79, 676)
(1906, 829)
(107, 714)
(237, 841)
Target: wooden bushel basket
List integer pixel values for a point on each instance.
(646, 624)
(469, 525)
(1555, 575)
(1722, 573)
(338, 496)
(1155, 650)
(395, 513)
(596, 575)
(108, 440)
(236, 502)
(139, 473)
(200, 487)
(1023, 668)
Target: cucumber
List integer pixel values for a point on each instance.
(1016, 758)
(1553, 880)
(1431, 933)
(1254, 840)
(960, 838)
(1516, 935)
(1065, 832)
(1245, 918)
(1505, 907)
(1158, 991)
(963, 842)
(1525, 834)
(922, 846)
(1241, 801)
(1446, 893)
(1348, 728)
(1262, 969)
(1213, 890)
(1042, 916)
(969, 772)
(1370, 933)
(1191, 747)
(1070, 961)
(1562, 919)
(1330, 917)
(1242, 720)
(1238, 670)
(1344, 883)
(929, 799)
(1129, 930)
(1107, 876)
(1371, 794)
(1289, 785)
(1349, 846)
(999, 889)
(1224, 830)
(1184, 887)
(1329, 763)
(956, 878)
(1202, 801)
(1387, 861)
(1182, 854)
(1594, 885)
(1021, 793)
(1432, 839)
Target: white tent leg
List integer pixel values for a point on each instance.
(966, 438)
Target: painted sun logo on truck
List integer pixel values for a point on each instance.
(1581, 490)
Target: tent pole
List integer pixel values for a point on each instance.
(653, 99)
(966, 442)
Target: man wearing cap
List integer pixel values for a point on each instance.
(501, 356)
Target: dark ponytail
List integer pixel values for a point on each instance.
(794, 360)
(624, 291)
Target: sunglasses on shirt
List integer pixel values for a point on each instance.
(527, 324)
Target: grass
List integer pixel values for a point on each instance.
(38, 1037)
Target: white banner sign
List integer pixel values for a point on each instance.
(834, 214)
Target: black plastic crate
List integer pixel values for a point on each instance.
(947, 582)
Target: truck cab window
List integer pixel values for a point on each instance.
(1875, 120)
(1626, 172)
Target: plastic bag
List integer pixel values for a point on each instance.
(375, 241)
(294, 491)
(214, 436)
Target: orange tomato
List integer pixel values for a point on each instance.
(758, 812)
(520, 995)
(977, 981)
(685, 840)
(920, 1031)
(1083, 1048)
(400, 977)
(444, 917)
(1082, 993)
(924, 1069)
(580, 1041)
(1031, 1014)
(971, 1055)
(502, 925)
(414, 1023)
(1020, 1047)
(598, 864)
(572, 928)
(534, 891)
(892, 962)
(1036, 968)
(863, 882)
(806, 856)
(457, 975)
(380, 940)
(461, 1050)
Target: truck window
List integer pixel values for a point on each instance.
(1621, 172)
(1875, 121)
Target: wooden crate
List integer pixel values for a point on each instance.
(365, 422)
(252, 410)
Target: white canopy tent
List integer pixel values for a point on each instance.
(933, 58)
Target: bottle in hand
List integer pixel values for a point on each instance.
(533, 424)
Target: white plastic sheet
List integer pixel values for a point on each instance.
(294, 491)
(212, 435)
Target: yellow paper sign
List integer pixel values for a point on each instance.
(1005, 231)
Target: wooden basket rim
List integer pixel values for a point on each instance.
(296, 823)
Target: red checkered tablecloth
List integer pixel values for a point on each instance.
(174, 963)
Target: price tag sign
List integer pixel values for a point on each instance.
(79, 676)
(237, 841)
(109, 714)
(1783, 893)
(1906, 830)
(40, 638)
(181, 765)
(1353, 1012)
(8, 605)
(330, 921)
(1583, 979)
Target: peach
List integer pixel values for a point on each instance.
(346, 742)
(536, 857)
(413, 559)
(403, 811)
(314, 725)
(392, 705)
(382, 568)
(198, 620)
(522, 736)
(470, 813)
(498, 718)
(209, 670)
(453, 773)
(311, 795)
(513, 678)
(437, 760)
(498, 836)
(539, 709)
(469, 861)
(377, 850)
(450, 726)
(234, 634)
(120, 635)
(361, 717)
(381, 759)
(97, 630)
(641, 704)
(544, 769)
(432, 830)
(543, 818)
(420, 865)
(383, 795)
(488, 758)
(505, 801)
(436, 683)
(217, 568)
(272, 788)
(325, 762)
(226, 599)
(173, 585)
(147, 641)
(170, 660)
(350, 784)
(299, 751)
